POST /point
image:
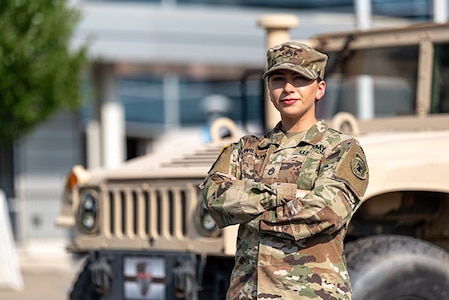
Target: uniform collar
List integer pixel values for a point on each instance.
(312, 136)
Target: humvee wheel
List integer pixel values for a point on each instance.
(83, 289)
(397, 268)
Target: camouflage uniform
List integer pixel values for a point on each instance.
(289, 245)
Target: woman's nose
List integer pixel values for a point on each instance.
(288, 87)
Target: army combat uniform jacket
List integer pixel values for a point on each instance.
(293, 197)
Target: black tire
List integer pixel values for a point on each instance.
(391, 267)
(84, 289)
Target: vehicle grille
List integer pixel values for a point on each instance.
(151, 213)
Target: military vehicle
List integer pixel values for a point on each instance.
(146, 234)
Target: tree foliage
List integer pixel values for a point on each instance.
(39, 72)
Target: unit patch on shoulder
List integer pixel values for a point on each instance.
(358, 166)
(223, 160)
(353, 170)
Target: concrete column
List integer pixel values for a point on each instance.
(363, 14)
(440, 11)
(365, 97)
(171, 102)
(93, 144)
(365, 83)
(112, 117)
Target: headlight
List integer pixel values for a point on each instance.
(207, 222)
(87, 212)
(204, 221)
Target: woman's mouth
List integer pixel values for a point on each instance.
(289, 101)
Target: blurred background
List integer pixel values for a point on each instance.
(152, 71)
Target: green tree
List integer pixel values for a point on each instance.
(39, 71)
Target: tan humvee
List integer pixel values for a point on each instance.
(149, 237)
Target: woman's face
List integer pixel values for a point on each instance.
(293, 95)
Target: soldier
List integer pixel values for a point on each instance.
(293, 191)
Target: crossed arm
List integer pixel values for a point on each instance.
(281, 208)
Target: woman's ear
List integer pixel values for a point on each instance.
(321, 90)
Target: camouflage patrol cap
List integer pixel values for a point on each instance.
(298, 58)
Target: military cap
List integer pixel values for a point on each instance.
(296, 57)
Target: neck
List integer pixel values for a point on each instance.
(298, 125)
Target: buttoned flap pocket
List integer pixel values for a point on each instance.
(252, 163)
(283, 168)
(290, 169)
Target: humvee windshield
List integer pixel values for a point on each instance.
(381, 82)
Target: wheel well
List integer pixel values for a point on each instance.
(420, 214)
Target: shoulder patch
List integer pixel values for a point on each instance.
(222, 163)
(358, 166)
(353, 170)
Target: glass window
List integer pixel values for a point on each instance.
(440, 91)
(143, 99)
(392, 74)
(196, 103)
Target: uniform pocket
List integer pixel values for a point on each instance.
(290, 170)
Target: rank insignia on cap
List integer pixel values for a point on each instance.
(358, 166)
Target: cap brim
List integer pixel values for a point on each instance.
(291, 67)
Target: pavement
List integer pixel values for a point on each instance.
(48, 277)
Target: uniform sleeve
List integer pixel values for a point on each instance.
(341, 182)
(231, 200)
